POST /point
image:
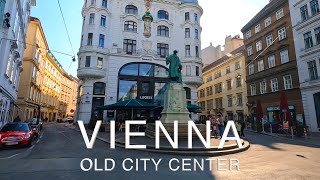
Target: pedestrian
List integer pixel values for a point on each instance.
(243, 125)
(17, 119)
(220, 125)
(214, 128)
(238, 127)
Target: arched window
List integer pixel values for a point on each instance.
(130, 26)
(144, 81)
(163, 31)
(131, 9)
(99, 88)
(163, 15)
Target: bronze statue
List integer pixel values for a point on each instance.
(175, 67)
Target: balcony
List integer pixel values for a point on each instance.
(96, 73)
(102, 50)
(192, 80)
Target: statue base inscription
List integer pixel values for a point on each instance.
(175, 105)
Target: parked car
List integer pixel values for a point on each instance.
(17, 134)
(36, 125)
(68, 119)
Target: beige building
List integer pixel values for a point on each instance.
(210, 54)
(43, 81)
(224, 90)
(68, 96)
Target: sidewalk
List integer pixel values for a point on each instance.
(313, 139)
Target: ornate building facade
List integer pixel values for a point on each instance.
(123, 49)
(14, 17)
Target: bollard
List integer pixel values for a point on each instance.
(271, 129)
(291, 132)
(305, 133)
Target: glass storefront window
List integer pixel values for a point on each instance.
(160, 72)
(127, 90)
(131, 70)
(146, 70)
(99, 88)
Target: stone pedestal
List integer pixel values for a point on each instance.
(175, 109)
(175, 105)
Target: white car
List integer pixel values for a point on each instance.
(68, 119)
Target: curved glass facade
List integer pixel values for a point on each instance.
(144, 81)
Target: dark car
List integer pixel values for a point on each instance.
(17, 134)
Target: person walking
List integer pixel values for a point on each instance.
(214, 128)
(243, 126)
(238, 126)
(220, 125)
(17, 119)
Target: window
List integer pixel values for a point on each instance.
(287, 82)
(187, 50)
(259, 46)
(251, 69)
(317, 34)
(248, 34)
(188, 92)
(163, 50)
(131, 9)
(90, 36)
(313, 73)
(188, 70)
(239, 99)
(238, 81)
(103, 21)
(163, 15)
(209, 91)
(284, 56)
(91, 20)
(253, 90)
(34, 72)
(197, 71)
(99, 88)
(267, 22)
(163, 31)
(187, 16)
(257, 28)
(263, 87)
(195, 17)
(217, 74)
(269, 40)
(99, 62)
(249, 50)
(101, 40)
(129, 46)
(282, 33)
(314, 7)
(196, 34)
(304, 12)
(187, 33)
(260, 65)
(274, 85)
(130, 26)
(218, 88)
(237, 65)
(197, 51)
(219, 103)
(308, 40)
(229, 84)
(210, 104)
(229, 100)
(279, 14)
(228, 70)
(88, 61)
(93, 2)
(209, 79)
(104, 3)
(271, 61)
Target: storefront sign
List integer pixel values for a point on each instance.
(146, 97)
(278, 108)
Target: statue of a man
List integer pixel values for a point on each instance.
(175, 67)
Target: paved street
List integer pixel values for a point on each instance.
(60, 150)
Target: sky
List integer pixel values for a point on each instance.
(220, 18)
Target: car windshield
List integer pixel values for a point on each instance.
(15, 127)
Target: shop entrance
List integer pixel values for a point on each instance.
(317, 106)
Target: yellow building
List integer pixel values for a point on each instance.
(43, 81)
(224, 90)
